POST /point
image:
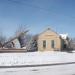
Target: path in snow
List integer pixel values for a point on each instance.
(49, 70)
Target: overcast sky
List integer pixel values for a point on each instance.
(37, 15)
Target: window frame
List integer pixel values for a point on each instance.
(44, 43)
(52, 44)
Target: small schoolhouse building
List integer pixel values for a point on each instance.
(49, 40)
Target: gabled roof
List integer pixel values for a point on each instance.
(49, 29)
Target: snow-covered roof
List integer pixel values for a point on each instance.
(64, 36)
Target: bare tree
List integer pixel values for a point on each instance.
(72, 43)
(32, 46)
(22, 36)
(21, 30)
(2, 39)
(27, 40)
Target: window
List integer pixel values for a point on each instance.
(52, 44)
(44, 44)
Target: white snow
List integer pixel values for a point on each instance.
(49, 70)
(64, 36)
(32, 58)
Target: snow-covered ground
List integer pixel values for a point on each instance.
(51, 70)
(33, 58)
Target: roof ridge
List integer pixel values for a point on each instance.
(49, 30)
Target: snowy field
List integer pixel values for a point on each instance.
(34, 58)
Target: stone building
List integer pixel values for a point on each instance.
(50, 40)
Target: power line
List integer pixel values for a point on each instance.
(22, 2)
